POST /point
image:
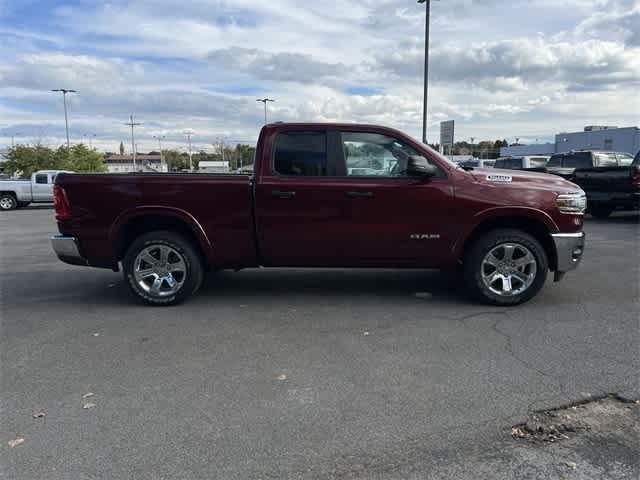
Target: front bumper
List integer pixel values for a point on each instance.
(569, 250)
(67, 250)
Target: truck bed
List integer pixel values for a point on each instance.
(104, 204)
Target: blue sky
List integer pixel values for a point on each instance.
(524, 68)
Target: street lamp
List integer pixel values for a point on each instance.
(188, 134)
(66, 118)
(426, 68)
(133, 124)
(265, 100)
(160, 138)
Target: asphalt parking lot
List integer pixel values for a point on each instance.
(302, 373)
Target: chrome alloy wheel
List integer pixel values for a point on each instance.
(6, 203)
(509, 269)
(160, 270)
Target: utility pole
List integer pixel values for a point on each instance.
(159, 138)
(188, 134)
(472, 139)
(426, 69)
(132, 124)
(265, 100)
(13, 135)
(66, 118)
(91, 141)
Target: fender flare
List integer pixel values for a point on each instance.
(493, 213)
(116, 229)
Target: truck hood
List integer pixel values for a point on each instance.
(525, 179)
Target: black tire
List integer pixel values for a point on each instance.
(473, 266)
(193, 276)
(8, 201)
(600, 211)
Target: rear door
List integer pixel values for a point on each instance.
(393, 219)
(300, 210)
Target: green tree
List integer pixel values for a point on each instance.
(23, 160)
(81, 159)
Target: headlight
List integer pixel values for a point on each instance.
(575, 202)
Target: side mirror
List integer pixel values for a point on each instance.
(418, 166)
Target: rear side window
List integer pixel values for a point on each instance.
(624, 159)
(538, 162)
(606, 159)
(301, 154)
(41, 178)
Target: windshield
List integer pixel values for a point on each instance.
(636, 161)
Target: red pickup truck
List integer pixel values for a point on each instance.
(325, 195)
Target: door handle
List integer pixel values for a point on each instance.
(359, 194)
(281, 194)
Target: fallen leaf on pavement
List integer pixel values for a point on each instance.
(86, 406)
(87, 395)
(282, 377)
(572, 465)
(366, 333)
(517, 432)
(39, 415)
(96, 334)
(16, 442)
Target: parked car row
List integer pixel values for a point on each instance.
(611, 180)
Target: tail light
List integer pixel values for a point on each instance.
(61, 202)
(635, 179)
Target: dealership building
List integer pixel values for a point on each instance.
(626, 139)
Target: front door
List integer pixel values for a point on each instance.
(42, 188)
(394, 219)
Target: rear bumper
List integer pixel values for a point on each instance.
(569, 250)
(67, 250)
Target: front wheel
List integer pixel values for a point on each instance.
(505, 267)
(163, 268)
(8, 202)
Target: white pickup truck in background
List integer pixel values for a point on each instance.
(20, 193)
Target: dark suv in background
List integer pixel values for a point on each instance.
(565, 164)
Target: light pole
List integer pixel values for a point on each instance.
(159, 138)
(66, 118)
(265, 100)
(188, 134)
(472, 139)
(132, 124)
(91, 141)
(426, 68)
(13, 135)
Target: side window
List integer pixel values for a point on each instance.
(538, 162)
(301, 154)
(606, 159)
(375, 155)
(555, 161)
(624, 159)
(500, 163)
(514, 163)
(41, 178)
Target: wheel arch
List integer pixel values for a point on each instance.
(139, 221)
(539, 226)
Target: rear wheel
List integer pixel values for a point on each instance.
(163, 268)
(8, 201)
(505, 267)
